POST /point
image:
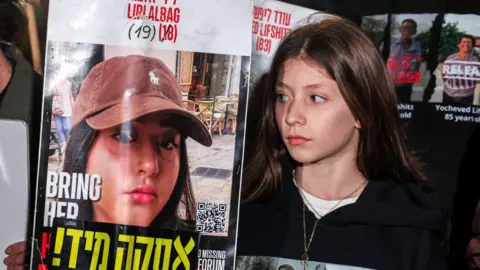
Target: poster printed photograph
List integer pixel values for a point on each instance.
(432, 58)
(405, 45)
(274, 263)
(455, 50)
(408, 54)
(272, 21)
(138, 168)
(458, 71)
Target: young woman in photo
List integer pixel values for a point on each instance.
(327, 176)
(129, 126)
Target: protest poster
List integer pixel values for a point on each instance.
(142, 134)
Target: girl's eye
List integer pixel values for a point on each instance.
(317, 99)
(123, 137)
(282, 97)
(168, 145)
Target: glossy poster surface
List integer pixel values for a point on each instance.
(144, 134)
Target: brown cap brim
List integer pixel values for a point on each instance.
(137, 106)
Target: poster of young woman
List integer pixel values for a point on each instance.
(140, 164)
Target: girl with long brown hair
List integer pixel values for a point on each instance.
(328, 178)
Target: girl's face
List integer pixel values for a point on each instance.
(139, 164)
(314, 121)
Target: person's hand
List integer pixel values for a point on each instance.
(16, 256)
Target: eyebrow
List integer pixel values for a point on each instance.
(164, 122)
(168, 129)
(170, 133)
(308, 86)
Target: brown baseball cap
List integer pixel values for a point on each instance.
(122, 89)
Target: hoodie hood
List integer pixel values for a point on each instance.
(382, 203)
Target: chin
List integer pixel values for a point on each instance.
(138, 218)
(303, 157)
(139, 222)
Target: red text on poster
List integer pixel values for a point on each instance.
(405, 69)
(153, 20)
(269, 25)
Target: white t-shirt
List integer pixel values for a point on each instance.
(321, 206)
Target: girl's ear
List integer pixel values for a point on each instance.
(358, 125)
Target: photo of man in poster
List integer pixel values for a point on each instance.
(404, 41)
(404, 60)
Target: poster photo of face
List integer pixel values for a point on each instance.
(409, 46)
(195, 145)
(142, 137)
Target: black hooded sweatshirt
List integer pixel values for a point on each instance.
(391, 226)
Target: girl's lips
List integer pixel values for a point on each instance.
(144, 194)
(297, 140)
(141, 198)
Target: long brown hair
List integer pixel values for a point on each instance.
(353, 61)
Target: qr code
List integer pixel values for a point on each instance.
(211, 217)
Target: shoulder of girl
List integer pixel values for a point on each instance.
(425, 197)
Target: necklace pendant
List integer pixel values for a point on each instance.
(304, 258)
(304, 261)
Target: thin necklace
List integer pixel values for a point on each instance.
(304, 256)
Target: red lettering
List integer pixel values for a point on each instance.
(254, 27)
(279, 32)
(257, 13)
(268, 29)
(153, 11)
(164, 14)
(406, 76)
(136, 11)
(391, 64)
(282, 18)
(417, 76)
(405, 64)
(45, 244)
